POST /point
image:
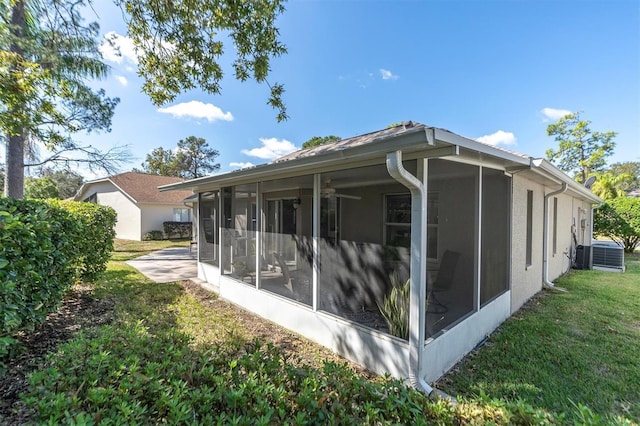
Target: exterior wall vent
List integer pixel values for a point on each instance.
(607, 256)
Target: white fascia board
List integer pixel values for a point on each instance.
(542, 165)
(452, 138)
(85, 186)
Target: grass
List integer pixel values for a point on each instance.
(565, 349)
(128, 249)
(178, 355)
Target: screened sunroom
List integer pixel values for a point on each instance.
(338, 245)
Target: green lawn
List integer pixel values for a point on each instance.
(129, 249)
(173, 353)
(565, 349)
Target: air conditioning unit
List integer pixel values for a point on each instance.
(607, 256)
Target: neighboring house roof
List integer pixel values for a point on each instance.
(634, 193)
(407, 137)
(141, 187)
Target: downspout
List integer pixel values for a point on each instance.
(418, 269)
(545, 239)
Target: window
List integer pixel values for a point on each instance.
(529, 254)
(555, 225)
(181, 215)
(397, 225)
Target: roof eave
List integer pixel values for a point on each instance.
(544, 166)
(410, 139)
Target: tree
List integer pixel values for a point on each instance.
(48, 56)
(191, 159)
(320, 140)
(161, 162)
(607, 185)
(67, 181)
(195, 157)
(52, 183)
(44, 187)
(619, 219)
(180, 44)
(581, 151)
(629, 168)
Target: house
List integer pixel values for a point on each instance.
(311, 241)
(138, 203)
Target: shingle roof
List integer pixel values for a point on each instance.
(143, 188)
(368, 138)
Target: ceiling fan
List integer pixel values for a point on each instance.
(327, 191)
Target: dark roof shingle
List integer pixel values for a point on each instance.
(143, 187)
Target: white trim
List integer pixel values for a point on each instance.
(443, 352)
(378, 352)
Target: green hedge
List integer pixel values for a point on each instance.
(94, 243)
(45, 246)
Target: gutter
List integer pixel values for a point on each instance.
(418, 272)
(545, 239)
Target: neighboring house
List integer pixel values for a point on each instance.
(310, 241)
(135, 198)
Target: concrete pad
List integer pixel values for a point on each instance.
(167, 265)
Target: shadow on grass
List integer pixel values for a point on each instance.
(145, 368)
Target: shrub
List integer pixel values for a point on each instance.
(177, 229)
(94, 242)
(130, 375)
(153, 236)
(44, 248)
(619, 219)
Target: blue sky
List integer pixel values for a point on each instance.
(497, 70)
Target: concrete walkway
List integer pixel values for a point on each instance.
(167, 265)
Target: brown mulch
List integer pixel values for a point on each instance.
(80, 310)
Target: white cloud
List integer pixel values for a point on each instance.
(498, 138)
(122, 80)
(197, 109)
(554, 114)
(387, 75)
(241, 165)
(271, 149)
(118, 49)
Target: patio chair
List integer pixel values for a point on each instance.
(298, 288)
(285, 271)
(443, 282)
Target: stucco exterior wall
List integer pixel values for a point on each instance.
(154, 215)
(128, 221)
(525, 280)
(559, 259)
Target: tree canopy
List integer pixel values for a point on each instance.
(631, 169)
(619, 219)
(320, 140)
(180, 44)
(48, 58)
(51, 183)
(191, 159)
(581, 152)
(44, 187)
